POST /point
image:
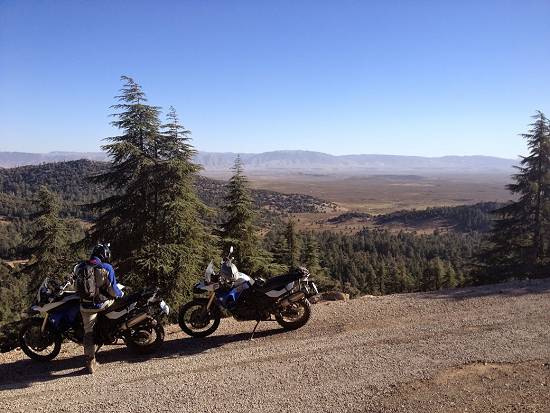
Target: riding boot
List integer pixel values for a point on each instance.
(91, 365)
(89, 352)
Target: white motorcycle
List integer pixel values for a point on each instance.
(134, 318)
(232, 292)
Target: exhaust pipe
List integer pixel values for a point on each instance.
(134, 321)
(298, 296)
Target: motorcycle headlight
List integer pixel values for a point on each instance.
(164, 307)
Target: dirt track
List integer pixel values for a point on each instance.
(484, 349)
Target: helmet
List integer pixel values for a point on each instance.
(102, 252)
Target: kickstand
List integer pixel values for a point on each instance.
(98, 347)
(253, 331)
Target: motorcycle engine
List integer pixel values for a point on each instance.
(248, 308)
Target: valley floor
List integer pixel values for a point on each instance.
(484, 349)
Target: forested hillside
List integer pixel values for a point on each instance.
(70, 180)
(463, 218)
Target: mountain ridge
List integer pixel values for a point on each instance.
(284, 161)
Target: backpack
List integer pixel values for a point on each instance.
(91, 281)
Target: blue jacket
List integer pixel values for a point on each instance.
(109, 268)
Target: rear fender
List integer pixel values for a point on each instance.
(280, 293)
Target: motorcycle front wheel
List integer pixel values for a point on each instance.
(38, 345)
(294, 315)
(194, 319)
(145, 339)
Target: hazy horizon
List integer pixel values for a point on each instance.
(68, 151)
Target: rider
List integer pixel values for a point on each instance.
(103, 298)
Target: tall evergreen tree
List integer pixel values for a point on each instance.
(434, 275)
(155, 219)
(238, 228)
(177, 241)
(311, 254)
(519, 245)
(50, 241)
(125, 216)
(293, 243)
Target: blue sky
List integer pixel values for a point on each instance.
(398, 77)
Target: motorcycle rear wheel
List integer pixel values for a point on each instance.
(195, 321)
(37, 344)
(145, 339)
(295, 315)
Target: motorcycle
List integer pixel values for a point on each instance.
(134, 318)
(235, 294)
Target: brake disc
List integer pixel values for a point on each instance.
(198, 320)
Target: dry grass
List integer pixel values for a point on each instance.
(382, 194)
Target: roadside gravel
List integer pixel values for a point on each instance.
(476, 349)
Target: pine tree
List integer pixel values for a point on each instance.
(434, 275)
(381, 282)
(155, 219)
(451, 280)
(125, 216)
(311, 254)
(50, 253)
(370, 286)
(279, 249)
(293, 260)
(238, 228)
(519, 245)
(177, 241)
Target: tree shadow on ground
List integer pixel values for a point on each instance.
(510, 289)
(23, 373)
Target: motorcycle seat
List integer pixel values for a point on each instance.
(278, 282)
(122, 302)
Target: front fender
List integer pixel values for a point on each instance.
(214, 307)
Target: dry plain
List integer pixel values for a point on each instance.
(387, 193)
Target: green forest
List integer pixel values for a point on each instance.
(165, 222)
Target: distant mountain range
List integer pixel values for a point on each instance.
(281, 162)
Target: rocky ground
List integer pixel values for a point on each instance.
(481, 349)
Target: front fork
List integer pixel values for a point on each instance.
(44, 324)
(210, 300)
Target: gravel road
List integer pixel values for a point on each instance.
(477, 349)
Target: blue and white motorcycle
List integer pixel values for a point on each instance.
(134, 318)
(234, 293)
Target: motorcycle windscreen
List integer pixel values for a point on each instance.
(209, 272)
(65, 317)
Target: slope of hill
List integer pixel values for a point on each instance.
(13, 159)
(463, 218)
(305, 161)
(481, 349)
(69, 180)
